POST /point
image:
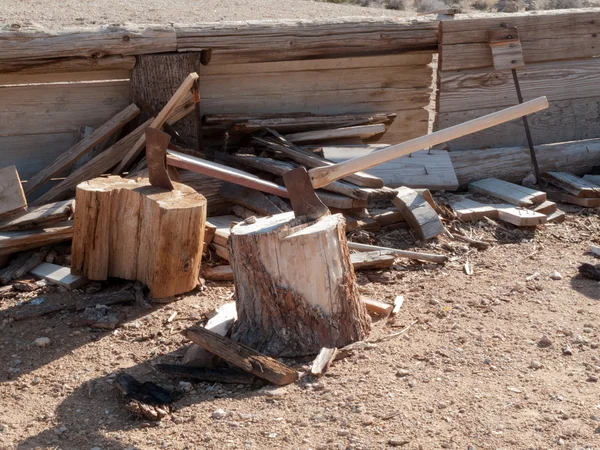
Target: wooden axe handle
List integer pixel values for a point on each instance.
(322, 176)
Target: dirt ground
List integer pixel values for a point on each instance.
(470, 373)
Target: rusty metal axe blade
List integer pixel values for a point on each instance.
(302, 194)
(156, 158)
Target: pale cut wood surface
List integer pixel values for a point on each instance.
(564, 120)
(417, 212)
(67, 158)
(58, 108)
(12, 197)
(573, 184)
(135, 231)
(60, 275)
(90, 42)
(301, 39)
(514, 163)
(66, 65)
(17, 241)
(97, 166)
(422, 169)
(242, 356)
(39, 216)
(512, 193)
(322, 362)
(33, 152)
(361, 131)
(296, 290)
(376, 306)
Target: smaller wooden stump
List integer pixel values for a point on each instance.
(295, 286)
(129, 229)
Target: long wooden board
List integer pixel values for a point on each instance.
(17, 241)
(12, 197)
(39, 216)
(512, 193)
(301, 39)
(52, 66)
(19, 78)
(56, 108)
(573, 184)
(36, 43)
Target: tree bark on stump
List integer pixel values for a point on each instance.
(129, 229)
(295, 286)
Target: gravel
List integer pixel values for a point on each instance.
(61, 13)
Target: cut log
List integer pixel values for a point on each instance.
(296, 290)
(243, 357)
(12, 197)
(220, 324)
(39, 216)
(177, 99)
(572, 184)
(362, 131)
(417, 212)
(97, 166)
(322, 361)
(372, 260)
(218, 273)
(509, 192)
(399, 253)
(377, 307)
(135, 231)
(18, 241)
(59, 275)
(67, 158)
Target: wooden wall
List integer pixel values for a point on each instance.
(559, 49)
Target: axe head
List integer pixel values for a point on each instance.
(156, 158)
(302, 194)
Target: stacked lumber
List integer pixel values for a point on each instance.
(559, 51)
(565, 187)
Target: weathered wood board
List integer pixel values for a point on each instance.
(12, 197)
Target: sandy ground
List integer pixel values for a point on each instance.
(469, 374)
(60, 13)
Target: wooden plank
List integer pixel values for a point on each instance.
(223, 224)
(564, 120)
(520, 217)
(32, 152)
(61, 107)
(505, 45)
(209, 232)
(36, 216)
(573, 184)
(92, 42)
(377, 307)
(514, 163)
(12, 197)
(547, 207)
(557, 216)
(371, 260)
(176, 99)
(99, 165)
(67, 158)
(361, 131)
(487, 88)
(16, 241)
(420, 216)
(59, 275)
(561, 197)
(387, 217)
(509, 192)
(469, 210)
(398, 253)
(300, 39)
(243, 357)
(20, 78)
(423, 169)
(218, 273)
(67, 65)
(221, 251)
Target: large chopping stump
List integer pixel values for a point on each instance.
(295, 286)
(126, 228)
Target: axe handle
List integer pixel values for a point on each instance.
(226, 173)
(322, 176)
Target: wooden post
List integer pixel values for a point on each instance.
(295, 286)
(132, 230)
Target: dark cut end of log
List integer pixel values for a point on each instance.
(296, 289)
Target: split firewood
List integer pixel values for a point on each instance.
(372, 260)
(8, 273)
(34, 260)
(323, 361)
(218, 273)
(210, 375)
(399, 253)
(398, 301)
(377, 307)
(37, 216)
(419, 214)
(243, 357)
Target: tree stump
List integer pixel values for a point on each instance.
(129, 229)
(295, 286)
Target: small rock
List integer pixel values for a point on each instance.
(185, 386)
(592, 379)
(36, 380)
(556, 276)
(412, 383)
(544, 342)
(219, 414)
(343, 432)
(535, 365)
(273, 392)
(398, 442)
(402, 373)
(95, 448)
(567, 351)
(42, 342)
(561, 441)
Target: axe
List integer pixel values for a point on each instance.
(300, 184)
